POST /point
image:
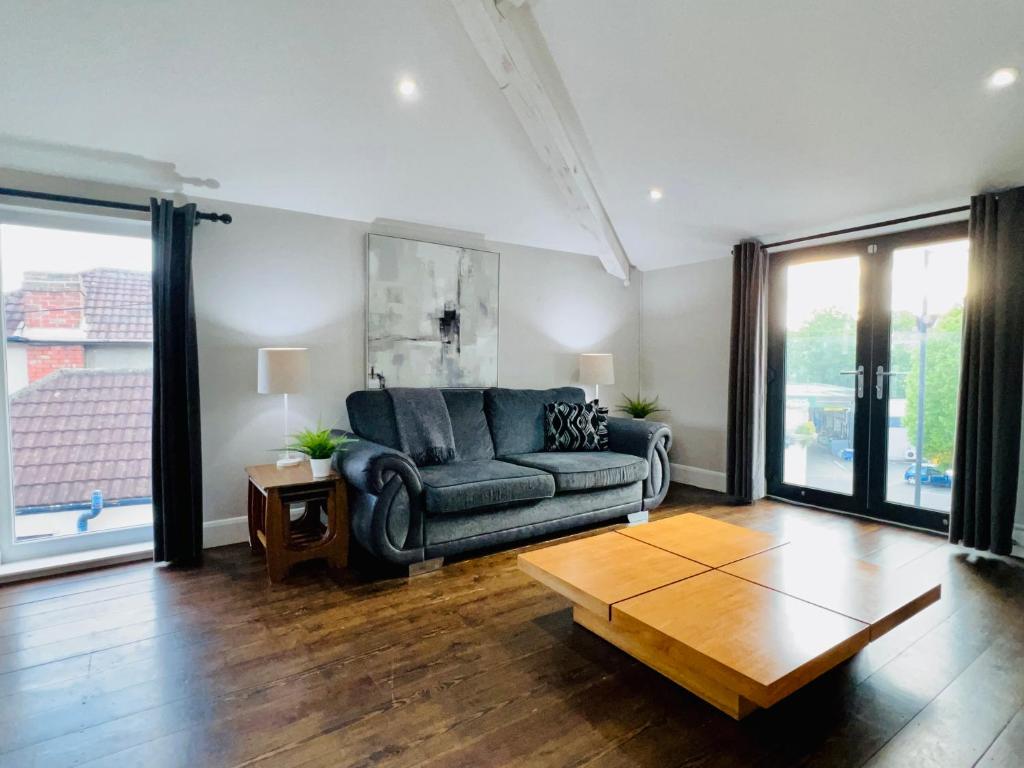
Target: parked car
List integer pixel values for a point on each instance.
(930, 475)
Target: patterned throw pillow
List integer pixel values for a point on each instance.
(602, 426)
(574, 427)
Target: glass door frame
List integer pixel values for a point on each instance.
(855, 502)
(874, 322)
(11, 550)
(878, 506)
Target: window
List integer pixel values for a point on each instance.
(78, 356)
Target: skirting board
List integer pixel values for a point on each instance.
(702, 478)
(1018, 540)
(230, 530)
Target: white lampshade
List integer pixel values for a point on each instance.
(282, 370)
(596, 369)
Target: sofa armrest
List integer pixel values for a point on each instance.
(649, 440)
(385, 499)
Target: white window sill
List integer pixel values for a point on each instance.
(76, 561)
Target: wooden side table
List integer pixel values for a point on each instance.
(320, 533)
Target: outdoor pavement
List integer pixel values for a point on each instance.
(828, 473)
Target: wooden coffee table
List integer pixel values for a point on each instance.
(739, 617)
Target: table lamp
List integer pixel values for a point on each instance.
(596, 369)
(283, 371)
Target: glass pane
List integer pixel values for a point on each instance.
(822, 305)
(928, 288)
(79, 324)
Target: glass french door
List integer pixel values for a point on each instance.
(864, 364)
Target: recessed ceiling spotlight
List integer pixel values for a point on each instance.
(407, 87)
(655, 193)
(1003, 77)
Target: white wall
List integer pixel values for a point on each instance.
(17, 367)
(275, 278)
(135, 356)
(685, 361)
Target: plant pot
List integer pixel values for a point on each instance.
(639, 418)
(320, 467)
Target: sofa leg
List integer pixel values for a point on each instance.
(636, 518)
(433, 564)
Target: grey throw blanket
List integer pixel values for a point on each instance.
(424, 426)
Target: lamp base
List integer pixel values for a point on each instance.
(289, 461)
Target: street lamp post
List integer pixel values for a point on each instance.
(924, 323)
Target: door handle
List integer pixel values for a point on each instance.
(859, 373)
(880, 374)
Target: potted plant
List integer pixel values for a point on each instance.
(639, 407)
(320, 446)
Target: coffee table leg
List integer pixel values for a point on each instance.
(713, 692)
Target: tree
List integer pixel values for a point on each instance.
(824, 346)
(942, 378)
(902, 351)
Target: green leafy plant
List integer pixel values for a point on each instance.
(805, 433)
(639, 407)
(318, 443)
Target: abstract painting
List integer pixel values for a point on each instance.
(432, 315)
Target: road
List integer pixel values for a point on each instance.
(828, 473)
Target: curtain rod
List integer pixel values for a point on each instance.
(876, 225)
(224, 218)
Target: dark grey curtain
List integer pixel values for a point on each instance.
(747, 373)
(177, 463)
(987, 455)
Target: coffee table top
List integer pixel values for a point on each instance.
(738, 607)
(703, 539)
(761, 643)
(598, 571)
(877, 596)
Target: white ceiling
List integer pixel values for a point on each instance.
(755, 118)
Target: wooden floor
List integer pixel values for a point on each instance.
(478, 665)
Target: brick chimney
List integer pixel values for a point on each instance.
(53, 305)
(52, 300)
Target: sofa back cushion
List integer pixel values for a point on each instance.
(516, 416)
(372, 416)
(472, 435)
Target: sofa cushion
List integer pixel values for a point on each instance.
(516, 416)
(469, 423)
(463, 486)
(461, 533)
(372, 416)
(585, 470)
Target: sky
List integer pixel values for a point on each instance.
(835, 283)
(25, 248)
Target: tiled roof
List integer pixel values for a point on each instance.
(14, 312)
(80, 430)
(118, 306)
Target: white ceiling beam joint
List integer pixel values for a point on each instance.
(505, 7)
(507, 58)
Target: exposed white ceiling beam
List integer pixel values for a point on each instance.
(507, 6)
(507, 58)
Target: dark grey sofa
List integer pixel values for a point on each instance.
(503, 487)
